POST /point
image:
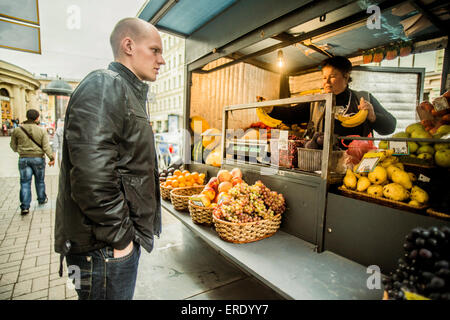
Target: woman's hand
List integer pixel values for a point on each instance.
(365, 105)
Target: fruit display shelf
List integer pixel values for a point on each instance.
(384, 201)
(289, 265)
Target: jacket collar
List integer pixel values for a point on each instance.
(29, 122)
(139, 86)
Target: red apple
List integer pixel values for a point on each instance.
(225, 186)
(236, 172)
(209, 192)
(236, 180)
(224, 175)
(213, 183)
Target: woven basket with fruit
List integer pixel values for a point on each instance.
(179, 179)
(180, 196)
(199, 213)
(248, 213)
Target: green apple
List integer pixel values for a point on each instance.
(425, 149)
(413, 146)
(412, 127)
(421, 134)
(442, 158)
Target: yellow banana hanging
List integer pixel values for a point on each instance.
(355, 120)
(266, 119)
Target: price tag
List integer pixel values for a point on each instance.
(367, 164)
(399, 147)
(423, 178)
(283, 140)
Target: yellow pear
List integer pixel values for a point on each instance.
(388, 161)
(378, 175)
(419, 194)
(414, 203)
(363, 184)
(402, 177)
(375, 190)
(390, 170)
(395, 191)
(350, 180)
(412, 177)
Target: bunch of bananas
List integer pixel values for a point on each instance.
(266, 119)
(354, 120)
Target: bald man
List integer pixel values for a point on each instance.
(108, 203)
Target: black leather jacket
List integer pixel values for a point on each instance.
(108, 183)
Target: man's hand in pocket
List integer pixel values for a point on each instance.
(124, 252)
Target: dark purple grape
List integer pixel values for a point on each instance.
(400, 295)
(397, 284)
(445, 296)
(416, 232)
(437, 283)
(408, 246)
(440, 236)
(441, 264)
(427, 276)
(420, 242)
(413, 254)
(425, 234)
(434, 296)
(409, 238)
(425, 253)
(444, 273)
(431, 242)
(433, 231)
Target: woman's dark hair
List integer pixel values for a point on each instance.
(32, 114)
(338, 62)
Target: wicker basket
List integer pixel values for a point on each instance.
(438, 214)
(247, 232)
(200, 215)
(165, 192)
(311, 160)
(180, 196)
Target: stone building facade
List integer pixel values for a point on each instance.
(18, 91)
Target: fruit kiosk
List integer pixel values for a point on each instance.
(279, 196)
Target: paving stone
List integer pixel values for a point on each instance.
(33, 296)
(70, 292)
(22, 288)
(28, 262)
(4, 258)
(57, 293)
(8, 287)
(40, 283)
(33, 275)
(6, 295)
(16, 256)
(21, 240)
(9, 278)
(43, 260)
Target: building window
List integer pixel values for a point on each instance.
(179, 81)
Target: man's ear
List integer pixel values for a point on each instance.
(127, 46)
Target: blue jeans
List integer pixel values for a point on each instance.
(101, 277)
(27, 168)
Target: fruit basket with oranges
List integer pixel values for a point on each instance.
(181, 179)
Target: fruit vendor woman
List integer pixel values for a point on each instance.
(335, 78)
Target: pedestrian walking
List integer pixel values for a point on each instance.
(108, 203)
(58, 141)
(31, 142)
(4, 129)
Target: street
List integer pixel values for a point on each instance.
(181, 266)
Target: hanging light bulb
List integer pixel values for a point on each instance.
(280, 59)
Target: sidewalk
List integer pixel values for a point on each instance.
(181, 266)
(28, 264)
